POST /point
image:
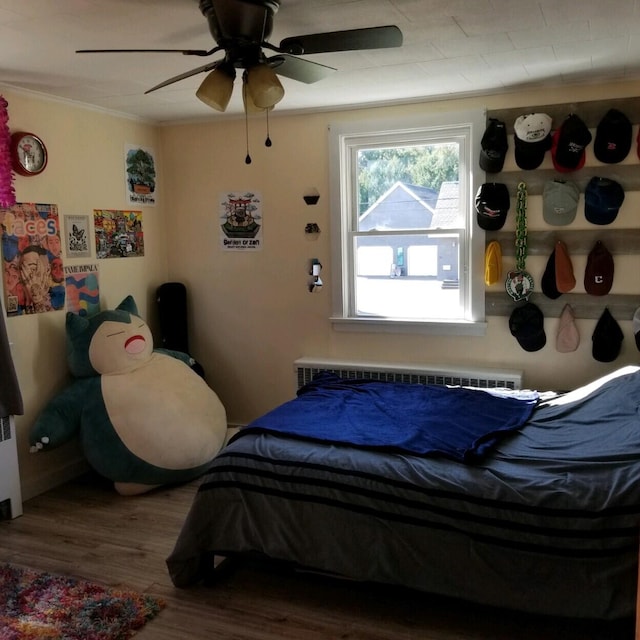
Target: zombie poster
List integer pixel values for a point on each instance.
(241, 221)
(33, 270)
(118, 234)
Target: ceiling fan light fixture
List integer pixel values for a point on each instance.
(264, 86)
(216, 89)
(249, 105)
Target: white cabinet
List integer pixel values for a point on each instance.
(10, 495)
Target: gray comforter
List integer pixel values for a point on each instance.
(547, 522)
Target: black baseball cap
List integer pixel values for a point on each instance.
(569, 143)
(636, 327)
(548, 281)
(492, 205)
(531, 139)
(607, 338)
(613, 137)
(526, 324)
(493, 146)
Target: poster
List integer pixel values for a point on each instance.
(118, 234)
(241, 221)
(140, 174)
(83, 291)
(33, 270)
(77, 236)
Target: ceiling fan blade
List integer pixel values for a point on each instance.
(349, 40)
(185, 75)
(185, 52)
(299, 69)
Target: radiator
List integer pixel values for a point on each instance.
(10, 496)
(306, 368)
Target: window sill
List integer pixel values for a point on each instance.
(435, 328)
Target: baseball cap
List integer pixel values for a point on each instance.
(492, 205)
(613, 137)
(493, 146)
(607, 338)
(568, 144)
(526, 324)
(568, 337)
(565, 280)
(560, 202)
(548, 281)
(492, 263)
(636, 327)
(532, 139)
(598, 274)
(603, 198)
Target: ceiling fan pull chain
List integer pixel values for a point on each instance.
(247, 159)
(267, 142)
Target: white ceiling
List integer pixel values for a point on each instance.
(451, 47)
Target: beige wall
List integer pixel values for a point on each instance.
(85, 171)
(251, 314)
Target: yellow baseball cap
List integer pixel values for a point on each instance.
(493, 263)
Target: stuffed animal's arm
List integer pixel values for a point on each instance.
(178, 355)
(60, 419)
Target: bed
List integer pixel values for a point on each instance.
(536, 509)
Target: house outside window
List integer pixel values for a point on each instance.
(406, 252)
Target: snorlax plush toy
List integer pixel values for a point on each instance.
(145, 418)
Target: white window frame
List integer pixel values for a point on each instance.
(344, 137)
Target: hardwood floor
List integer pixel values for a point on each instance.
(85, 529)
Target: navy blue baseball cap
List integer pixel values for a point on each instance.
(603, 198)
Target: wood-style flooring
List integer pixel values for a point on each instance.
(86, 530)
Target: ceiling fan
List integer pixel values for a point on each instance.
(241, 28)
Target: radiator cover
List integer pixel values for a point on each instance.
(306, 368)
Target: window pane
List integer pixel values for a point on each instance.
(408, 187)
(422, 282)
(374, 261)
(423, 260)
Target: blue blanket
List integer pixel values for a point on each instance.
(460, 423)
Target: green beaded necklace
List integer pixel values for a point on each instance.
(519, 283)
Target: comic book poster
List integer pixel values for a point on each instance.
(83, 291)
(118, 234)
(77, 235)
(33, 270)
(140, 172)
(241, 221)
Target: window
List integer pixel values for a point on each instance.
(406, 253)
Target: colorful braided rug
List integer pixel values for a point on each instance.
(39, 605)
